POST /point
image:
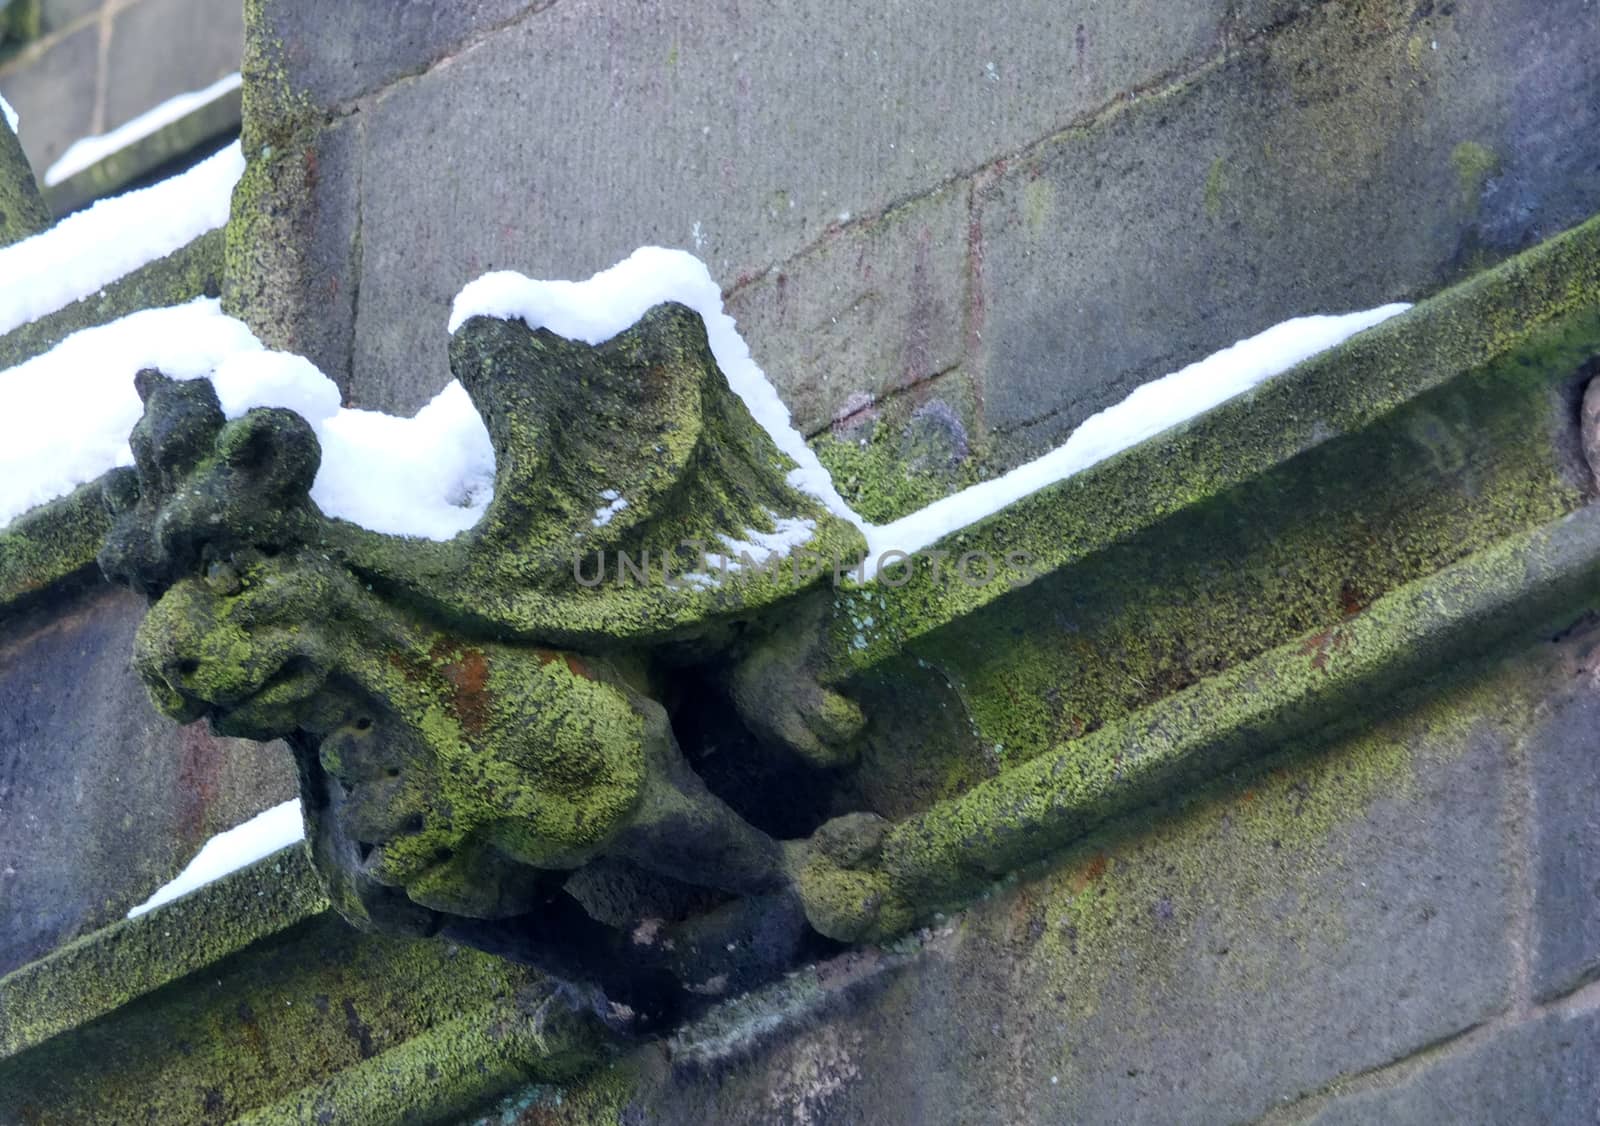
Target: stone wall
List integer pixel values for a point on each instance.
(1022, 210)
(73, 68)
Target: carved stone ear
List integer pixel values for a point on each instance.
(146, 381)
(180, 423)
(274, 449)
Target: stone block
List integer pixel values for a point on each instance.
(292, 266)
(162, 48)
(102, 800)
(1546, 1070)
(1359, 155)
(336, 52)
(57, 14)
(871, 309)
(53, 92)
(561, 143)
(1566, 865)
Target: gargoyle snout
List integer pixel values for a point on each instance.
(199, 653)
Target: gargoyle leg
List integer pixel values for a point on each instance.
(685, 831)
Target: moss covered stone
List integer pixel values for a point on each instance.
(189, 272)
(49, 545)
(22, 211)
(249, 998)
(1322, 684)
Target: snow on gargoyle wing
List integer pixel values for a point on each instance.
(634, 446)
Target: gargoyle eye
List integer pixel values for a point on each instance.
(222, 578)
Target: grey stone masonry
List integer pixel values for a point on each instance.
(1059, 200)
(98, 64)
(101, 800)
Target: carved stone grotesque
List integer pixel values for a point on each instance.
(476, 722)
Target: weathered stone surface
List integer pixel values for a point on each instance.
(1546, 1070)
(335, 52)
(306, 1021)
(192, 137)
(457, 774)
(1339, 164)
(57, 14)
(1238, 950)
(162, 48)
(102, 800)
(293, 245)
(52, 91)
(869, 310)
(663, 135)
(1567, 841)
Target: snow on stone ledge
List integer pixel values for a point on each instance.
(262, 835)
(12, 120)
(613, 300)
(1148, 410)
(67, 415)
(89, 151)
(87, 251)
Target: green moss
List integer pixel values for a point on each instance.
(22, 211)
(1216, 180)
(874, 479)
(1318, 686)
(112, 967)
(1303, 547)
(49, 545)
(1475, 165)
(679, 447)
(316, 1016)
(21, 21)
(266, 243)
(452, 1068)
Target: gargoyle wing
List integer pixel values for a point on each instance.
(636, 447)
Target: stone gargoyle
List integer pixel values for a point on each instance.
(482, 732)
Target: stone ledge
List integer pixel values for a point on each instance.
(49, 545)
(1317, 688)
(188, 272)
(112, 967)
(117, 171)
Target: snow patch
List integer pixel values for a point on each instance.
(616, 503)
(87, 251)
(243, 845)
(89, 151)
(1151, 408)
(12, 120)
(432, 475)
(68, 414)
